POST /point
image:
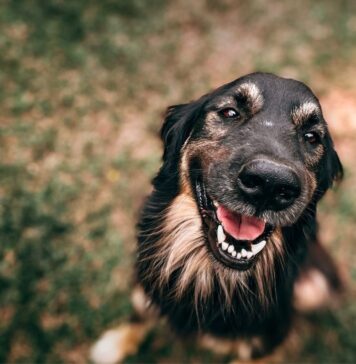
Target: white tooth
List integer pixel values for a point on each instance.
(238, 256)
(256, 248)
(224, 245)
(230, 249)
(233, 254)
(221, 235)
(215, 203)
(249, 255)
(243, 253)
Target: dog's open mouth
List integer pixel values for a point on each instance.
(235, 240)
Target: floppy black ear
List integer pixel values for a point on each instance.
(177, 126)
(334, 171)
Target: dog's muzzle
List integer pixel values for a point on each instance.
(263, 188)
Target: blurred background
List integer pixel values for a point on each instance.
(84, 84)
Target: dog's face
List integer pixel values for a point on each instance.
(255, 155)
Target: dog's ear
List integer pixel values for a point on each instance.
(334, 167)
(333, 170)
(178, 124)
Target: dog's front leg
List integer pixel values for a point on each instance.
(118, 343)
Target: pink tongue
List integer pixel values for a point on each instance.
(239, 226)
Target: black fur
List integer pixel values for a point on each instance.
(245, 317)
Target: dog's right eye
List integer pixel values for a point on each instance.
(229, 113)
(312, 138)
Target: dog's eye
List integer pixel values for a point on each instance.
(312, 137)
(229, 113)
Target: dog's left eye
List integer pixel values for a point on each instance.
(229, 113)
(312, 137)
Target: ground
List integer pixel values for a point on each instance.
(84, 85)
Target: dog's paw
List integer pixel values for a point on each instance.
(115, 345)
(244, 350)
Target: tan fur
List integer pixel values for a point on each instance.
(253, 96)
(213, 126)
(313, 158)
(302, 112)
(253, 101)
(183, 247)
(300, 115)
(142, 304)
(207, 150)
(240, 348)
(312, 184)
(117, 344)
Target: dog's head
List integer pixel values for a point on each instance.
(255, 155)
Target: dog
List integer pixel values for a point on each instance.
(227, 241)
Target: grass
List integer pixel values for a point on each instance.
(84, 85)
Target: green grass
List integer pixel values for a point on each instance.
(83, 88)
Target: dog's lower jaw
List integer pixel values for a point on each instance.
(198, 294)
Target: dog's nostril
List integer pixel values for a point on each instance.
(251, 181)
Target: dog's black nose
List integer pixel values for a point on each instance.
(269, 185)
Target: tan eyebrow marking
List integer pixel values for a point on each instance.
(253, 96)
(301, 113)
(224, 102)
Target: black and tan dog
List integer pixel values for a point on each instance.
(227, 240)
